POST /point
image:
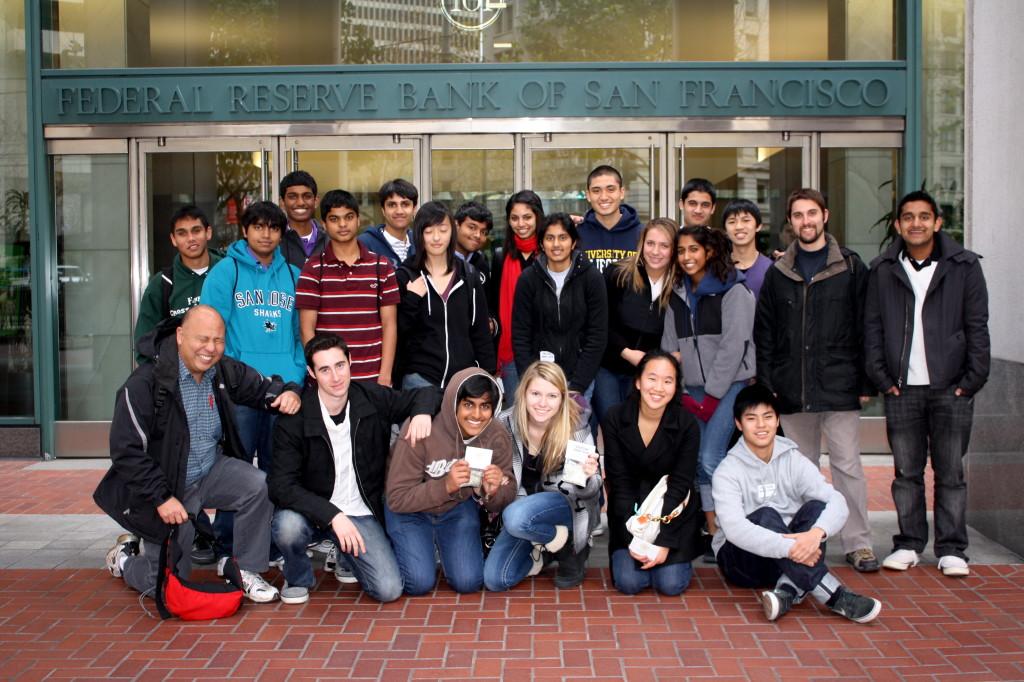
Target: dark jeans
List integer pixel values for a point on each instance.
(922, 421)
(745, 569)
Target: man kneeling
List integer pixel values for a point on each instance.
(328, 475)
(775, 510)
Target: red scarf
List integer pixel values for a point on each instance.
(507, 291)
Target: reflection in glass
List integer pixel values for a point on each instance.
(140, 33)
(942, 124)
(860, 187)
(481, 175)
(223, 184)
(560, 177)
(764, 175)
(16, 361)
(93, 301)
(361, 172)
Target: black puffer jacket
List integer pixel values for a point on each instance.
(573, 327)
(634, 320)
(810, 337)
(955, 319)
(302, 478)
(149, 437)
(293, 251)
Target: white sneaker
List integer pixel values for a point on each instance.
(537, 554)
(221, 562)
(257, 589)
(901, 560)
(322, 547)
(558, 542)
(125, 545)
(953, 566)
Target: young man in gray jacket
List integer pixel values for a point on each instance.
(775, 511)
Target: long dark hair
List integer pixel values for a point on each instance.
(430, 214)
(716, 244)
(529, 198)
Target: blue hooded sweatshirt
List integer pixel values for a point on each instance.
(373, 239)
(603, 246)
(258, 307)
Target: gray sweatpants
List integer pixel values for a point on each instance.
(231, 485)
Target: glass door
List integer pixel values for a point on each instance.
(222, 176)
(556, 167)
(357, 164)
(761, 167)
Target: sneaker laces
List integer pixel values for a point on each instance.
(254, 582)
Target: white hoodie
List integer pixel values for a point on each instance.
(744, 483)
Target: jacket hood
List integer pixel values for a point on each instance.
(181, 271)
(160, 339)
(782, 446)
(628, 220)
(580, 262)
(445, 430)
(239, 251)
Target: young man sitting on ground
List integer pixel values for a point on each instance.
(775, 510)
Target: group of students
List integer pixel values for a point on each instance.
(581, 325)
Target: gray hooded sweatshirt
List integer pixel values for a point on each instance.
(743, 483)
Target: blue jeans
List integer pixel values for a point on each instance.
(509, 382)
(610, 389)
(414, 380)
(528, 520)
(746, 569)
(714, 439)
(376, 569)
(455, 533)
(256, 429)
(629, 578)
(922, 422)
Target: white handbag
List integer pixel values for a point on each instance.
(645, 524)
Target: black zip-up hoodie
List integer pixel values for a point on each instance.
(302, 478)
(573, 327)
(149, 436)
(438, 337)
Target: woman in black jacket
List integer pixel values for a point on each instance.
(560, 312)
(442, 317)
(524, 212)
(639, 289)
(647, 437)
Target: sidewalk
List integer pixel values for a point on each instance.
(63, 617)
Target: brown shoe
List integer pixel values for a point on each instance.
(863, 560)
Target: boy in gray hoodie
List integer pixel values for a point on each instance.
(775, 510)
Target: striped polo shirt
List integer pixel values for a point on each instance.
(348, 299)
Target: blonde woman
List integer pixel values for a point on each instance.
(550, 515)
(639, 290)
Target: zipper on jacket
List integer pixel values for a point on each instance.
(904, 350)
(803, 350)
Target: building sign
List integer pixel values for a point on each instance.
(471, 15)
(486, 91)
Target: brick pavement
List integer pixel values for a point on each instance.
(82, 624)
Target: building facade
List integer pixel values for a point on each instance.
(116, 112)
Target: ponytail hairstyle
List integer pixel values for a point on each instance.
(629, 268)
(561, 425)
(718, 247)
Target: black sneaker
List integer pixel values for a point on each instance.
(202, 552)
(853, 606)
(777, 602)
(572, 567)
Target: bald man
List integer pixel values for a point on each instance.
(175, 451)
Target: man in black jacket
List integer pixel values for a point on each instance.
(809, 338)
(927, 349)
(329, 466)
(175, 451)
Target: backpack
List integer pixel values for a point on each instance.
(166, 289)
